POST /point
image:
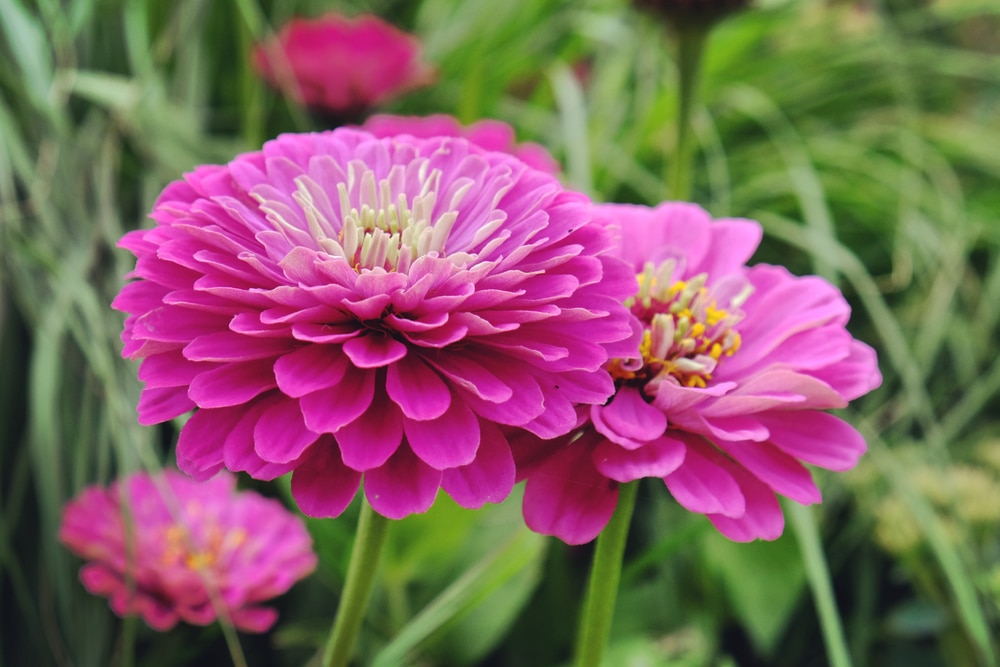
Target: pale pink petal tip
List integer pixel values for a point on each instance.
(723, 395)
(169, 549)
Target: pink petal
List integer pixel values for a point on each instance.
(854, 376)
(369, 441)
(323, 486)
(473, 377)
(629, 420)
(200, 443)
(229, 346)
(160, 405)
(816, 437)
(238, 451)
(374, 350)
(309, 369)
(567, 497)
(404, 485)
(254, 619)
(703, 483)
(417, 389)
(656, 458)
(232, 384)
(778, 470)
(280, 434)
(327, 410)
(489, 478)
(448, 441)
(763, 518)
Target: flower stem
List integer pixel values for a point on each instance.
(368, 542)
(691, 40)
(602, 587)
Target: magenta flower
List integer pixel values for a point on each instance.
(342, 64)
(339, 304)
(723, 397)
(493, 135)
(169, 548)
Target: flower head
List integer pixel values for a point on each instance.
(339, 304)
(342, 65)
(723, 398)
(169, 548)
(492, 135)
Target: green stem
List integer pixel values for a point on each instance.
(361, 571)
(691, 40)
(602, 587)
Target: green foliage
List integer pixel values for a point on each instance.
(862, 135)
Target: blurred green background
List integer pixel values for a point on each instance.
(863, 135)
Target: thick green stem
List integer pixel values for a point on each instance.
(361, 571)
(690, 45)
(602, 587)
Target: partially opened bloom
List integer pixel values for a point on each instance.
(724, 397)
(172, 549)
(493, 135)
(339, 304)
(342, 65)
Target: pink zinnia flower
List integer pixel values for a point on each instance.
(342, 64)
(723, 398)
(493, 135)
(169, 548)
(339, 304)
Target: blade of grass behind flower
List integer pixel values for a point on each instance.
(952, 563)
(818, 574)
(573, 114)
(802, 176)
(522, 554)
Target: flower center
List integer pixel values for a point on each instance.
(180, 548)
(384, 223)
(687, 331)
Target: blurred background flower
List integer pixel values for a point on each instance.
(170, 549)
(342, 65)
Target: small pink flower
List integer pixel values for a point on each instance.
(341, 305)
(342, 64)
(493, 135)
(723, 399)
(169, 548)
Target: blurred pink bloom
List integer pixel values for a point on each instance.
(169, 548)
(342, 64)
(339, 305)
(493, 135)
(723, 398)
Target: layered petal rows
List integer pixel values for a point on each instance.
(341, 305)
(723, 397)
(171, 549)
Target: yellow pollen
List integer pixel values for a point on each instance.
(686, 332)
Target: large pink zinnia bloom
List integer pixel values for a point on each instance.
(493, 135)
(169, 548)
(723, 399)
(342, 64)
(339, 304)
